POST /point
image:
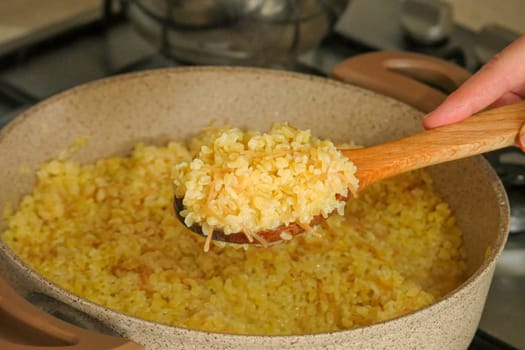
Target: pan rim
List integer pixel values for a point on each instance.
(76, 301)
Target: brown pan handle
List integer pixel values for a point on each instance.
(23, 326)
(408, 77)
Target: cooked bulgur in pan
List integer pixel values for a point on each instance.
(106, 231)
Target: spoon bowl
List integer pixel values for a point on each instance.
(281, 233)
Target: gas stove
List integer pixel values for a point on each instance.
(104, 43)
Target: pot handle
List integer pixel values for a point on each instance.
(23, 326)
(409, 77)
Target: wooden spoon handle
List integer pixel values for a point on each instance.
(483, 132)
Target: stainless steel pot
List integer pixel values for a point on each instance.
(254, 32)
(172, 104)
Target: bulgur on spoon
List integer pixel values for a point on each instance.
(246, 186)
(262, 188)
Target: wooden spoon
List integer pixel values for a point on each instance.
(483, 132)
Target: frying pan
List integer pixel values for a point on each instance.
(156, 106)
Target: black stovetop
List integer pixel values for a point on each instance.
(109, 46)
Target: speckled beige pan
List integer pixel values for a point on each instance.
(173, 104)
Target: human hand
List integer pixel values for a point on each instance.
(500, 82)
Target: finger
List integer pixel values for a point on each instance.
(452, 110)
(504, 73)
